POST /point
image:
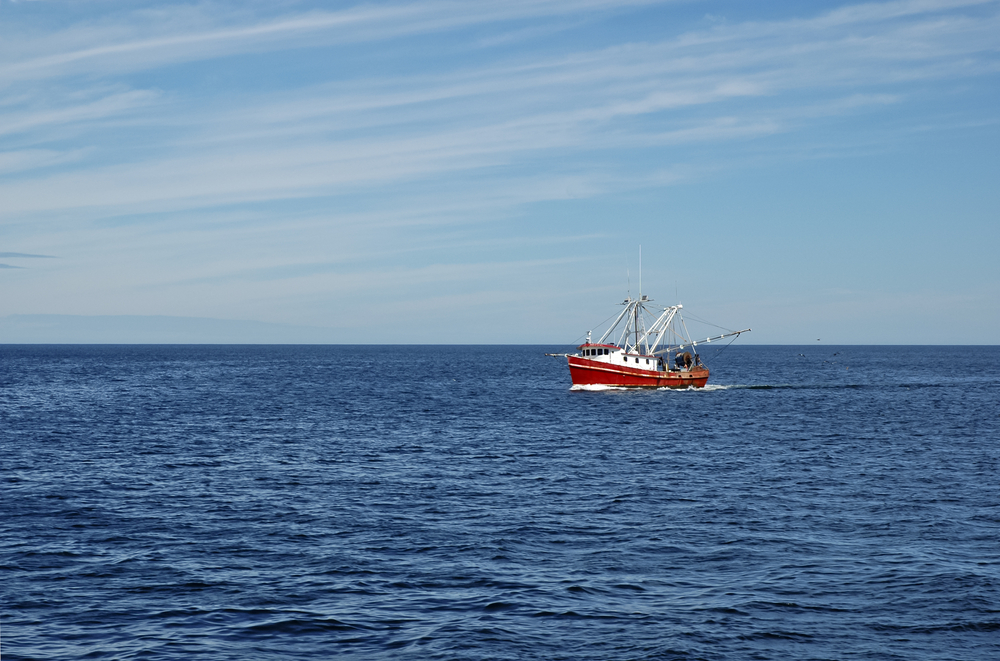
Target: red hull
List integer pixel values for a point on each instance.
(585, 372)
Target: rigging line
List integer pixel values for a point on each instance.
(576, 343)
(709, 323)
(718, 351)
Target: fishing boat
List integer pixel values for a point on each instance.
(635, 354)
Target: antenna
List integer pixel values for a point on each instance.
(628, 278)
(640, 271)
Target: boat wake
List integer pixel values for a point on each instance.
(712, 387)
(800, 386)
(599, 388)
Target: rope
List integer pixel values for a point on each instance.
(728, 330)
(719, 351)
(708, 323)
(576, 342)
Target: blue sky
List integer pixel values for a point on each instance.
(485, 172)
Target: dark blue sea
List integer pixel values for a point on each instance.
(462, 502)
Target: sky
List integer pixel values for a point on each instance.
(486, 172)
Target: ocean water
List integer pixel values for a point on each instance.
(462, 502)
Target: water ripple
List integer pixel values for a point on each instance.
(463, 502)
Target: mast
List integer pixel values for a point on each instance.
(667, 333)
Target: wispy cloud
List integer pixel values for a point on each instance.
(333, 138)
(44, 114)
(29, 159)
(19, 255)
(186, 33)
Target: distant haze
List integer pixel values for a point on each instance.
(484, 172)
(126, 329)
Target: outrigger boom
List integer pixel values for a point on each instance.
(707, 339)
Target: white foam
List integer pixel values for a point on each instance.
(597, 387)
(693, 389)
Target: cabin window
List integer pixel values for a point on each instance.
(647, 361)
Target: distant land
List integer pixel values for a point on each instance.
(136, 329)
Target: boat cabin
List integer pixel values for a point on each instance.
(609, 353)
(595, 350)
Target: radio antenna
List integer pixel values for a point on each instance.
(628, 278)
